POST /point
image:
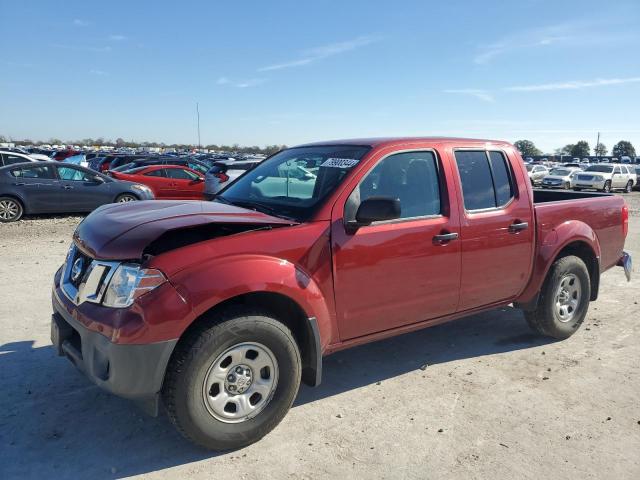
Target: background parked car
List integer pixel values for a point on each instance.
(168, 182)
(53, 187)
(223, 173)
(11, 158)
(60, 155)
(560, 177)
(537, 173)
(196, 165)
(605, 177)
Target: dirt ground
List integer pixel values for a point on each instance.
(477, 398)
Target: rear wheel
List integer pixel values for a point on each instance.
(564, 299)
(607, 186)
(126, 197)
(11, 209)
(232, 379)
(629, 187)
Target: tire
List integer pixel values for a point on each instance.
(607, 187)
(11, 209)
(629, 187)
(191, 403)
(126, 197)
(547, 319)
(567, 186)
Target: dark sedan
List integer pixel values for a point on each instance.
(52, 187)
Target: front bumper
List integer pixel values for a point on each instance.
(588, 184)
(133, 371)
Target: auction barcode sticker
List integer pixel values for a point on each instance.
(340, 162)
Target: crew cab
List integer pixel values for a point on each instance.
(218, 310)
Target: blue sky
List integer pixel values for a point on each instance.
(290, 72)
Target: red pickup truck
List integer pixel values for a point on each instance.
(218, 310)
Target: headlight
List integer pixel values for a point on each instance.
(141, 188)
(598, 178)
(129, 282)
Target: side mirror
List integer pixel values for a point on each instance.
(98, 179)
(376, 209)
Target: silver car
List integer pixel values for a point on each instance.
(560, 177)
(223, 173)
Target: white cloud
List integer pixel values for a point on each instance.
(117, 38)
(99, 73)
(80, 23)
(318, 53)
(578, 33)
(252, 82)
(573, 85)
(474, 92)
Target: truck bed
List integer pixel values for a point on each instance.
(601, 212)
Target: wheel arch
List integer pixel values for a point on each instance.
(286, 310)
(17, 197)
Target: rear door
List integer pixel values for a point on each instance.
(159, 183)
(496, 227)
(39, 187)
(81, 192)
(396, 273)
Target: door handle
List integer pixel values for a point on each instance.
(19, 184)
(445, 237)
(518, 226)
(67, 187)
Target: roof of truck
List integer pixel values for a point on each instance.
(391, 141)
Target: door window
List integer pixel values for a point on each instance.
(43, 171)
(155, 173)
(74, 174)
(180, 174)
(486, 179)
(411, 177)
(10, 159)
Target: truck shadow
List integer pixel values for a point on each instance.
(53, 422)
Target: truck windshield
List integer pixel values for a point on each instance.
(294, 182)
(600, 168)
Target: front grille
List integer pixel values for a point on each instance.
(586, 178)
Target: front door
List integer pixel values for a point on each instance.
(399, 272)
(80, 191)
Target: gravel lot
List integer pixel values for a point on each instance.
(477, 398)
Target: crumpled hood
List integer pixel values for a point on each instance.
(123, 231)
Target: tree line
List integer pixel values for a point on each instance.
(579, 149)
(121, 143)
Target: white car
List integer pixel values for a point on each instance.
(605, 178)
(225, 172)
(10, 158)
(560, 177)
(536, 173)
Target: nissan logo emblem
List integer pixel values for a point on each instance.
(76, 269)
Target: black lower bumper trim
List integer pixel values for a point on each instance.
(130, 371)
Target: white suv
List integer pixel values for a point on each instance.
(605, 178)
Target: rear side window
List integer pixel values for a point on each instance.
(33, 172)
(10, 159)
(486, 179)
(180, 174)
(155, 173)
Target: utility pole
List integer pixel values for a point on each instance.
(198, 116)
(597, 143)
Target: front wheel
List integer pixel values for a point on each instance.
(232, 379)
(11, 210)
(607, 187)
(567, 186)
(564, 299)
(629, 187)
(126, 198)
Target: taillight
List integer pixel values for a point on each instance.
(223, 177)
(625, 220)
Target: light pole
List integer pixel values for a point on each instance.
(198, 117)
